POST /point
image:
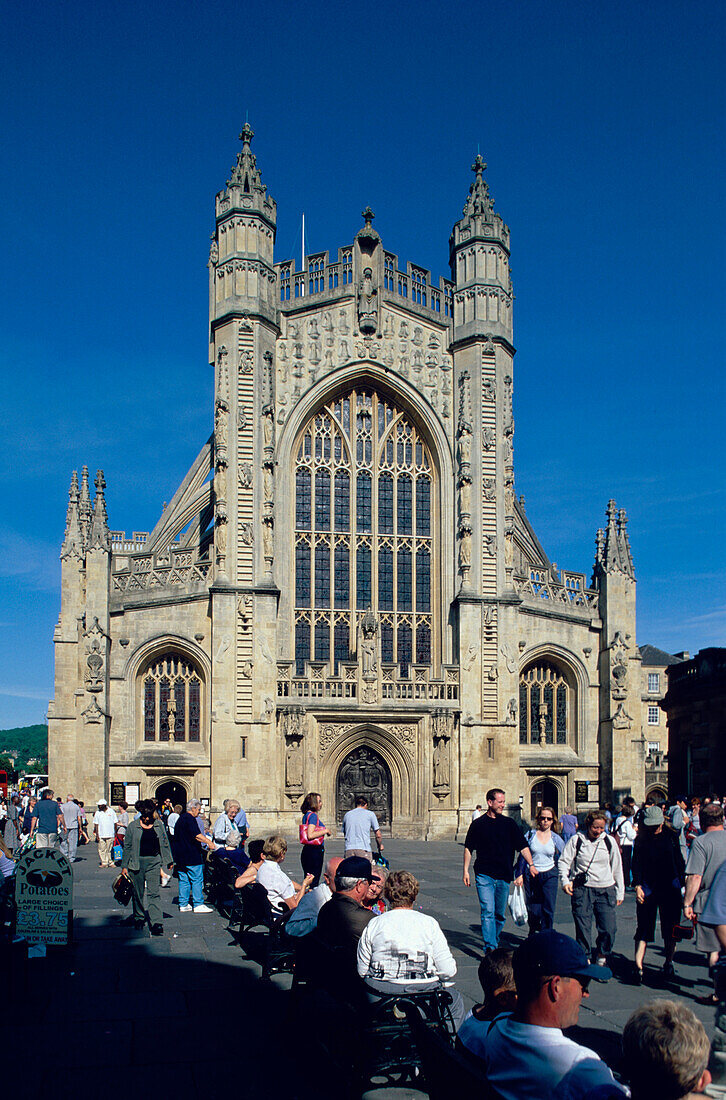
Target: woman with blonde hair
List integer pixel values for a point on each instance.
(540, 891)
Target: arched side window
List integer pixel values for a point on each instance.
(171, 692)
(546, 705)
(364, 533)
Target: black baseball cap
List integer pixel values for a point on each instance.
(355, 867)
(551, 952)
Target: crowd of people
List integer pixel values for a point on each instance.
(356, 929)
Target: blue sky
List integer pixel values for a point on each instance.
(603, 128)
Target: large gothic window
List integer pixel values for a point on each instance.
(172, 699)
(363, 532)
(546, 706)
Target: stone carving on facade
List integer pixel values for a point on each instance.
(247, 534)
(246, 669)
(490, 544)
(619, 677)
(247, 362)
(95, 667)
(245, 476)
(490, 489)
(290, 721)
(343, 328)
(542, 713)
(244, 610)
(511, 719)
(492, 673)
(506, 651)
(488, 439)
(93, 713)
(329, 733)
(464, 476)
(621, 719)
(268, 548)
(213, 251)
(369, 645)
(488, 389)
(441, 755)
(367, 303)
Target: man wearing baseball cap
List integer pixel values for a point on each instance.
(526, 1055)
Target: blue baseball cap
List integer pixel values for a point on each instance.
(549, 953)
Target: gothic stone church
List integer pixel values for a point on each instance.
(345, 595)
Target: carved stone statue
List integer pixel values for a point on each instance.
(171, 712)
(221, 538)
(369, 632)
(512, 712)
(619, 677)
(465, 551)
(441, 762)
(293, 763)
(542, 723)
(367, 303)
(267, 541)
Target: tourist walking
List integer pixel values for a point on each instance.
(658, 876)
(47, 821)
(707, 854)
(12, 823)
(146, 852)
(189, 840)
(568, 824)
(541, 892)
(312, 837)
(357, 826)
(495, 839)
(591, 872)
(625, 834)
(104, 828)
(71, 818)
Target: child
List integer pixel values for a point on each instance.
(496, 978)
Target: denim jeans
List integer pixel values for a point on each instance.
(493, 894)
(541, 893)
(191, 880)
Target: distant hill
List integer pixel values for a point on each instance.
(28, 745)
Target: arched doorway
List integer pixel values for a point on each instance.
(175, 792)
(544, 793)
(364, 772)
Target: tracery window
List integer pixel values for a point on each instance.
(546, 706)
(172, 699)
(363, 532)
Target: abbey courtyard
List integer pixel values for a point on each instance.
(345, 594)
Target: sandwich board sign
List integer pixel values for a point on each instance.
(43, 896)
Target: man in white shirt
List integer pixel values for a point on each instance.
(104, 826)
(304, 918)
(525, 1054)
(71, 814)
(357, 825)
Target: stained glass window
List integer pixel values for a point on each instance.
(302, 500)
(302, 645)
(164, 709)
(404, 580)
(302, 575)
(149, 709)
(171, 699)
(342, 499)
(403, 506)
(373, 551)
(194, 709)
(322, 576)
(342, 575)
(322, 500)
(545, 695)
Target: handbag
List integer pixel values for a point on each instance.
(122, 889)
(518, 906)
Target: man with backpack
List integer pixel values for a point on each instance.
(591, 872)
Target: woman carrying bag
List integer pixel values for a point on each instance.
(541, 891)
(146, 851)
(312, 837)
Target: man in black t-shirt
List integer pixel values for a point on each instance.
(495, 839)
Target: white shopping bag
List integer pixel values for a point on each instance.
(518, 906)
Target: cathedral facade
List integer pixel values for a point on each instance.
(345, 594)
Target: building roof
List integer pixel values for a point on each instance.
(651, 655)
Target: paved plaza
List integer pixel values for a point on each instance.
(120, 1009)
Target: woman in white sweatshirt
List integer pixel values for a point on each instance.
(404, 950)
